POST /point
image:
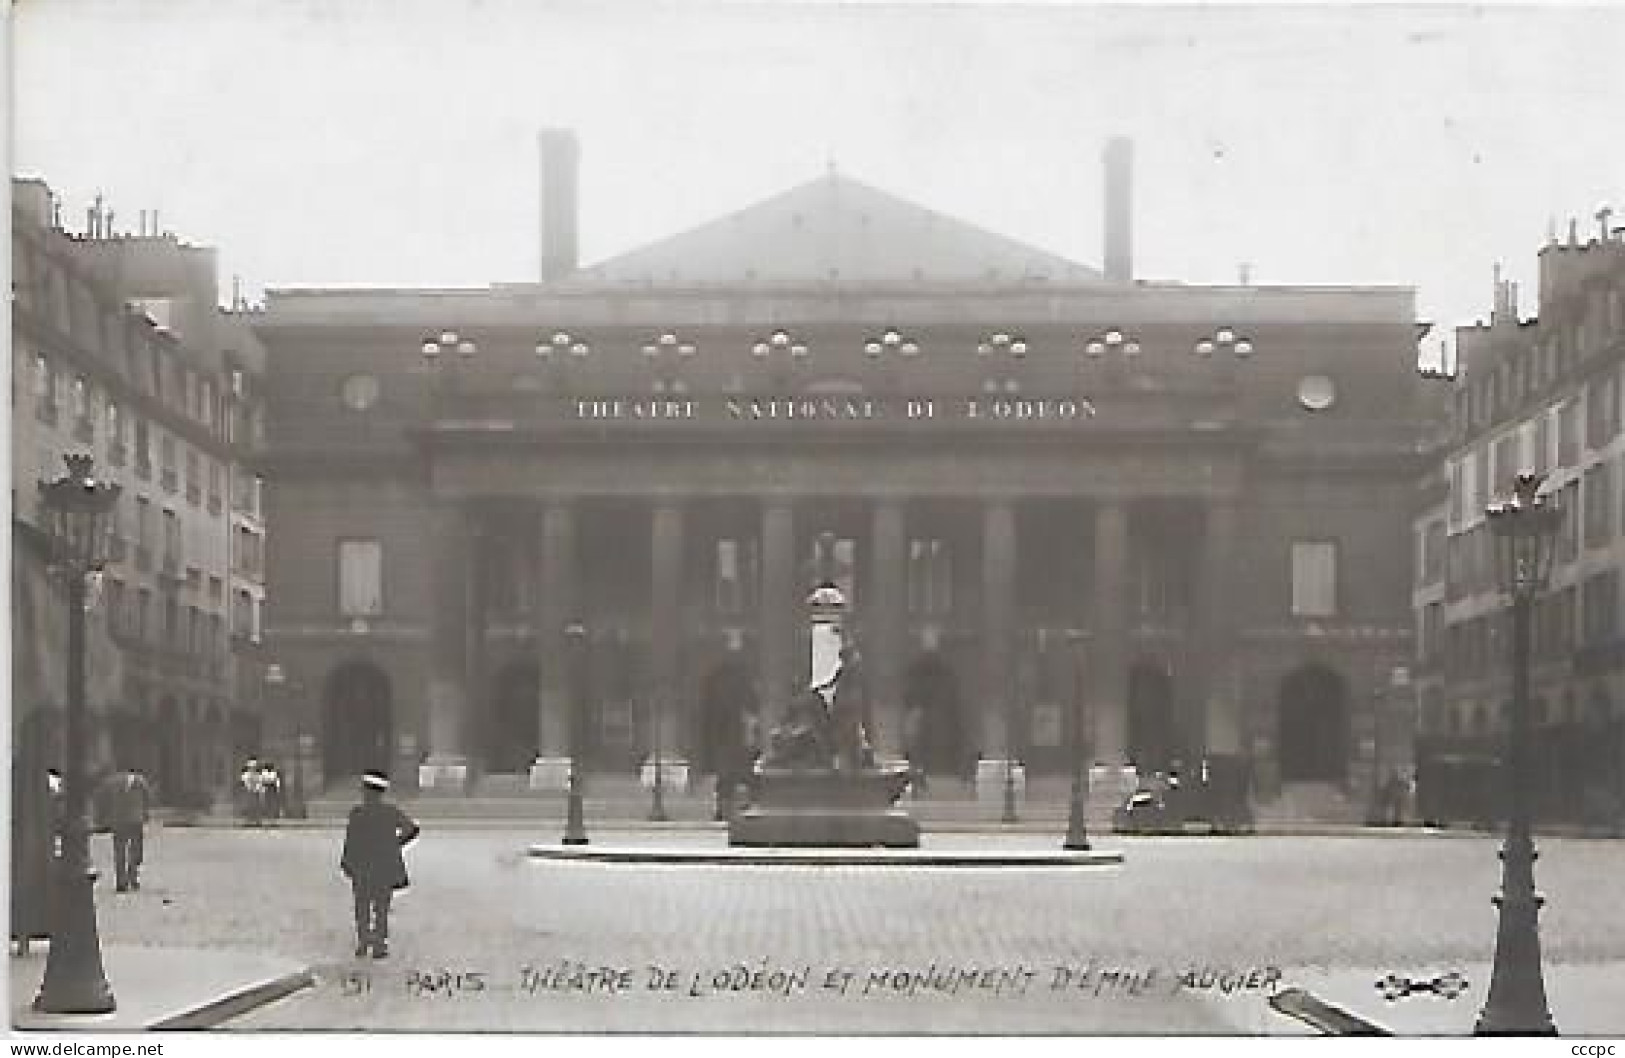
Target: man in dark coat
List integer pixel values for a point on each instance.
(372, 860)
(122, 804)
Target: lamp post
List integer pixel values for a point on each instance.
(575, 827)
(1077, 828)
(1525, 529)
(667, 353)
(277, 682)
(76, 509)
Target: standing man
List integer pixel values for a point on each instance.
(124, 800)
(372, 860)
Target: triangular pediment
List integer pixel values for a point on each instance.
(835, 229)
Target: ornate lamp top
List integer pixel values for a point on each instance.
(827, 595)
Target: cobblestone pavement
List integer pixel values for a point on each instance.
(571, 947)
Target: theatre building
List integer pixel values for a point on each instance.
(1179, 513)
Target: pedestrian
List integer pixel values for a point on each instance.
(249, 796)
(914, 739)
(270, 791)
(372, 860)
(123, 800)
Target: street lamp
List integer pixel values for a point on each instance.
(1077, 829)
(575, 827)
(76, 510)
(277, 682)
(1525, 530)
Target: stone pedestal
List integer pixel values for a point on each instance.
(443, 775)
(990, 778)
(550, 773)
(824, 808)
(674, 774)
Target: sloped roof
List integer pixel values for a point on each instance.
(834, 228)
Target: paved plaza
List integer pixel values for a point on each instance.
(1188, 935)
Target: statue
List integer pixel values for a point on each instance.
(817, 784)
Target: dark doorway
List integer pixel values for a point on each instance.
(1314, 726)
(1153, 730)
(727, 698)
(933, 721)
(515, 731)
(356, 721)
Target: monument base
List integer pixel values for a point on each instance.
(825, 808)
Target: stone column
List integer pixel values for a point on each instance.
(998, 613)
(1108, 663)
(556, 606)
(450, 551)
(883, 653)
(665, 625)
(781, 609)
(1219, 721)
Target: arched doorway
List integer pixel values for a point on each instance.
(515, 731)
(1313, 726)
(726, 699)
(357, 721)
(1153, 730)
(933, 718)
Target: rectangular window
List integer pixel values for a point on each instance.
(930, 578)
(1542, 457)
(1433, 549)
(45, 386)
(1568, 433)
(361, 565)
(242, 615)
(837, 563)
(1314, 578)
(169, 474)
(1599, 504)
(143, 523)
(729, 586)
(172, 541)
(143, 448)
(114, 608)
(194, 477)
(1508, 461)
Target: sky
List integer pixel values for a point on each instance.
(393, 142)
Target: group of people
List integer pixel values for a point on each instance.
(259, 792)
(118, 804)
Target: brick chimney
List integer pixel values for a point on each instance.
(1119, 257)
(560, 168)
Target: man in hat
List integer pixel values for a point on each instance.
(124, 799)
(372, 860)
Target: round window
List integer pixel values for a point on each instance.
(1317, 393)
(359, 392)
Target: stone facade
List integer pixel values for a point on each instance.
(119, 349)
(1538, 394)
(1178, 513)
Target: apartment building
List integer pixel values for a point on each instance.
(1541, 394)
(121, 350)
